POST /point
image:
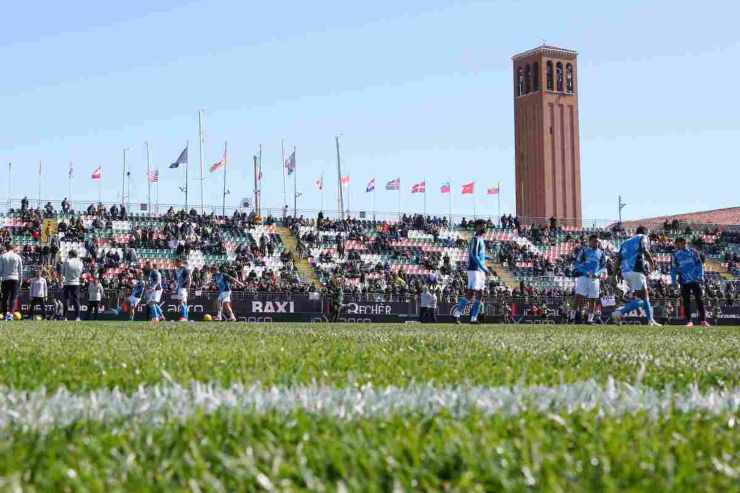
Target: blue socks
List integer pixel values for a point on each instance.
(184, 311)
(477, 306)
(461, 304)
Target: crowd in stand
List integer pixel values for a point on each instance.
(360, 257)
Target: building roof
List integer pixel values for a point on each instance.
(723, 217)
(548, 50)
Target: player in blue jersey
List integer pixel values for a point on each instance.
(687, 268)
(183, 281)
(633, 263)
(223, 282)
(477, 271)
(138, 287)
(590, 266)
(154, 292)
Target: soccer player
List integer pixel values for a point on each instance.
(687, 268)
(154, 292)
(183, 279)
(633, 262)
(477, 271)
(223, 282)
(590, 265)
(138, 288)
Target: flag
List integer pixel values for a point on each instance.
(370, 185)
(69, 174)
(290, 163)
(319, 184)
(445, 188)
(154, 176)
(393, 184)
(218, 165)
(493, 191)
(345, 180)
(419, 187)
(182, 159)
(97, 174)
(468, 188)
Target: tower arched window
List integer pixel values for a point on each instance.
(536, 76)
(527, 79)
(569, 78)
(559, 76)
(519, 81)
(550, 85)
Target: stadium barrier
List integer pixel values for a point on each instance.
(312, 307)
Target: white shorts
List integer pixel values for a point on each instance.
(476, 280)
(133, 301)
(224, 297)
(588, 287)
(182, 295)
(636, 281)
(154, 296)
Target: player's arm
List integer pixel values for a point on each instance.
(234, 280)
(674, 269)
(646, 252)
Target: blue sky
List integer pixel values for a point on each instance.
(416, 89)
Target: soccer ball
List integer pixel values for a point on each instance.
(207, 317)
(38, 317)
(17, 316)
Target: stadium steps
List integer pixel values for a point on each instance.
(715, 266)
(503, 273)
(304, 268)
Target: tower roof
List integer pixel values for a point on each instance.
(547, 50)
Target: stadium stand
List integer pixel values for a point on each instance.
(367, 259)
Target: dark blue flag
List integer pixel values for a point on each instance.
(183, 159)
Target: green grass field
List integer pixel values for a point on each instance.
(291, 407)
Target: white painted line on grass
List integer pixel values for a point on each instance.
(153, 405)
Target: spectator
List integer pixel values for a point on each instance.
(94, 298)
(71, 274)
(11, 273)
(39, 292)
(428, 306)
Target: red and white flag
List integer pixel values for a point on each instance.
(154, 176)
(319, 184)
(218, 165)
(97, 174)
(468, 188)
(445, 188)
(419, 187)
(493, 191)
(345, 180)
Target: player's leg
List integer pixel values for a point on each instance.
(459, 309)
(686, 301)
(699, 296)
(477, 306)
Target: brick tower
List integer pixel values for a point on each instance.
(547, 160)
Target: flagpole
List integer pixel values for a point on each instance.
(322, 192)
(148, 181)
(39, 202)
(10, 166)
(156, 188)
(449, 180)
(498, 192)
(123, 179)
(340, 196)
(200, 152)
(474, 203)
(223, 199)
(187, 165)
(259, 172)
(425, 196)
(399, 201)
(285, 191)
(295, 188)
(69, 182)
(374, 189)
